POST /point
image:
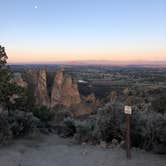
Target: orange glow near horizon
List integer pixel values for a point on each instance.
(27, 56)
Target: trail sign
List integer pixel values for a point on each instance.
(128, 110)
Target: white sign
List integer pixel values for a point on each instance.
(128, 110)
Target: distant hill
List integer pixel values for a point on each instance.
(148, 64)
(120, 63)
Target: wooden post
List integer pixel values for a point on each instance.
(128, 112)
(128, 142)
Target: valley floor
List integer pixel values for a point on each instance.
(54, 151)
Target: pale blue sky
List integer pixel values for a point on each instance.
(68, 27)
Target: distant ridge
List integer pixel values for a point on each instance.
(138, 64)
(154, 64)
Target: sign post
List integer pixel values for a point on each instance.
(128, 112)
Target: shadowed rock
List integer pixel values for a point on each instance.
(41, 93)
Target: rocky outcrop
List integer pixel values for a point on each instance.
(17, 79)
(89, 98)
(65, 91)
(41, 94)
(82, 109)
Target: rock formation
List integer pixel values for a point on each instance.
(17, 79)
(65, 91)
(41, 94)
(31, 77)
(82, 109)
(89, 98)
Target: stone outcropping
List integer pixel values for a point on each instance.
(64, 90)
(89, 98)
(41, 94)
(17, 79)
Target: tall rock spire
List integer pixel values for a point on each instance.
(64, 91)
(41, 92)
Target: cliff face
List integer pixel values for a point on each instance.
(41, 94)
(65, 91)
(31, 77)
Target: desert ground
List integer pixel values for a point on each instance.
(54, 151)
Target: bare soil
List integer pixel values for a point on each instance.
(54, 151)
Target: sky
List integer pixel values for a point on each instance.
(47, 31)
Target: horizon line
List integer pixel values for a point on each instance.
(94, 62)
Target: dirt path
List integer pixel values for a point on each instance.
(54, 151)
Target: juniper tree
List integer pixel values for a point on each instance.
(3, 57)
(4, 76)
(7, 88)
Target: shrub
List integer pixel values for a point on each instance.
(148, 131)
(22, 123)
(61, 114)
(138, 129)
(106, 125)
(69, 128)
(16, 124)
(110, 122)
(84, 132)
(44, 114)
(5, 132)
(159, 104)
(148, 128)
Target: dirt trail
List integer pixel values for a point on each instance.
(54, 151)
